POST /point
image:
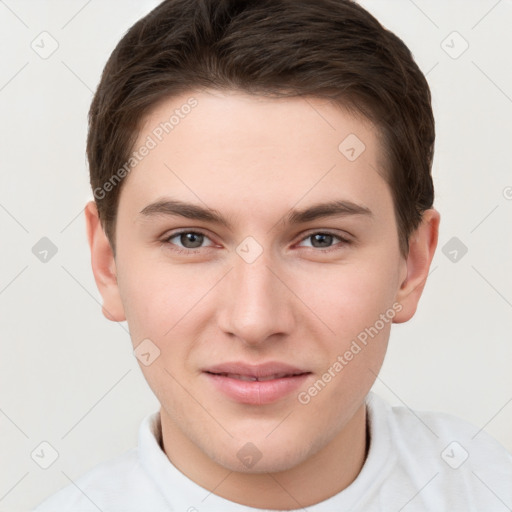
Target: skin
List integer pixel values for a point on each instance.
(252, 159)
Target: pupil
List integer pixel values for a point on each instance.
(191, 240)
(323, 239)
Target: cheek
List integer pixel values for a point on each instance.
(159, 301)
(156, 294)
(167, 304)
(357, 304)
(351, 297)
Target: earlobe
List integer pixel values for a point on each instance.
(422, 246)
(103, 265)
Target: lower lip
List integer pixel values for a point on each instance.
(257, 392)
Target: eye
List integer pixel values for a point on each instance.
(323, 240)
(190, 240)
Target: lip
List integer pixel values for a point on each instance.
(238, 381)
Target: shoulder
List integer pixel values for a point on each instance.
(121, 483)
(459, 463)
(117, 484)
(457, 438)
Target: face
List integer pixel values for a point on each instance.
(257, 251)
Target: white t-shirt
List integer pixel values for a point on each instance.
(417, 461)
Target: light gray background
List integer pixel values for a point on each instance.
(68, 376)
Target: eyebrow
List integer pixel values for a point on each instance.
(175, 208)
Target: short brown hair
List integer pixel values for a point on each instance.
(316, 48)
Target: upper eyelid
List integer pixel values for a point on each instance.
(327, 231)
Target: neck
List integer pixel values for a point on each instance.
(330, 470)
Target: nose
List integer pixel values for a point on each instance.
(256, 304)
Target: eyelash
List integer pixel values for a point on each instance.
(189, 252)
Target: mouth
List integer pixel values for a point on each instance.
(252, 378)
(256, 384)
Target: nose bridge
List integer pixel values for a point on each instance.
(256, 306)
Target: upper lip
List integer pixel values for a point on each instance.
(256, 370)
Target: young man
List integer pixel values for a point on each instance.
(263, 213)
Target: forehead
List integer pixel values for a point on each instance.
(230, 148)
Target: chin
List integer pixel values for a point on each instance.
(262, 457)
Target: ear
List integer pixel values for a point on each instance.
(422, 246)
(103, 265)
